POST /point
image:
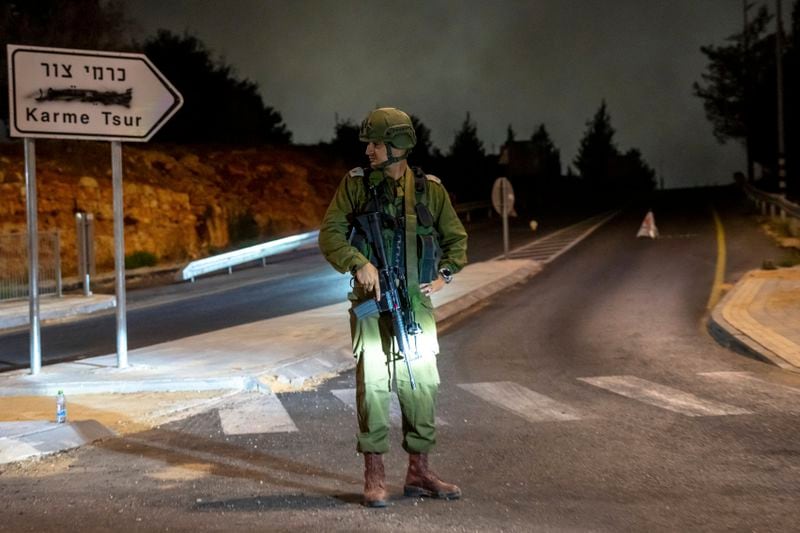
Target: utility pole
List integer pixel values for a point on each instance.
(779, 81)
(746, 90)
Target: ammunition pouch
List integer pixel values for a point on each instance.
(424, 216)
(429, 254)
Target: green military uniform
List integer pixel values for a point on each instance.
(374, 345)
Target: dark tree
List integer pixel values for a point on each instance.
(468, 178)
(82, 24)
(791, 73)
(548, 155)
(424, 147)
(346, 144)
(738, 89)
(533, 166)
(510, 134)
(609, 174)
(597, 150)
(634, 174)
(425, 155)
(218, 106)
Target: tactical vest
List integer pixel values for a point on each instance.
(428, 250)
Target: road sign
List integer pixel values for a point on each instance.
(85, 94)
(503, 196)
(503, 202)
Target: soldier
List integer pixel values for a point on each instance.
(429, 243)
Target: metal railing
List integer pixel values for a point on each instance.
(772, 204)
(14, 264)
(467, 208)
(228, 260)
(261, 251)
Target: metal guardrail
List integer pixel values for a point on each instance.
(229, 260)
(772, 204)
(467, 208)
(261, 251)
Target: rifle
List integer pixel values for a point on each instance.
(394, 292)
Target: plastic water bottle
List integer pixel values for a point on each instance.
(61, 408)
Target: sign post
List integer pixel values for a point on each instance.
(119, 254)
(33, 255)
(503, 202)
(57, 93)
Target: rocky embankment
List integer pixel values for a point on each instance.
(181, 202)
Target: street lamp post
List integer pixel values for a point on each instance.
(746, 91)
(779, 82)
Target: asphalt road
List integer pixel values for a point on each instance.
(590, 398)
(288, 284)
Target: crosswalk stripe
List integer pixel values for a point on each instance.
(348, 397)
(263, 413)
(664, 397)
(759, 391)
(521, 401)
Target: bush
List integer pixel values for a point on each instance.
(790, 259)
(140, 259)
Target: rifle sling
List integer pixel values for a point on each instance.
(412, 276)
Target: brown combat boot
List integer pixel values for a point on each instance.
(421, 481)
(374, 488)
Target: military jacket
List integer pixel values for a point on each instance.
(352, 196)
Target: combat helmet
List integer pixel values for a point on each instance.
(392, 127)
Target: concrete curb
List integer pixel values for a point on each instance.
(473, 298)
(336, 361)
(26, 440)
(53, 309)
(727, 335)
(239, 383)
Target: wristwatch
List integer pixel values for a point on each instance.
(447, 274)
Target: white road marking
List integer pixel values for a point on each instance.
(263, 413)
(521, 401)
(348, 397)
(759, 391)
(664, 397)
(548, 248)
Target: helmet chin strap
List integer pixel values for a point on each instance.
(391, 159)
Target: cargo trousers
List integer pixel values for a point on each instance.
(378, 364)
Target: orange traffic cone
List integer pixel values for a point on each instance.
(648, 227)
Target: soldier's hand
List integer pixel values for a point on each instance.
(368, 276)
(434, 286)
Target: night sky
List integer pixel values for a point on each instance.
(516, 62)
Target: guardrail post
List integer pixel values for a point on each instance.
(84, 223)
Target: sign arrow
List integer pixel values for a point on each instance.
(61, 93)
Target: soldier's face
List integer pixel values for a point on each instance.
(376, 152)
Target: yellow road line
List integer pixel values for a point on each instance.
(719, 272)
